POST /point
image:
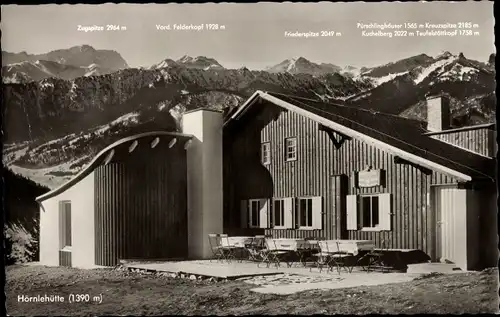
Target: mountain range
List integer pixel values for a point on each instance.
(66, 64)
(62, 107)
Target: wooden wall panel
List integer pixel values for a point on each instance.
(141, 207)
(481, 141)
(313, 174)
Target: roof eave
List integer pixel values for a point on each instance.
(244, 107)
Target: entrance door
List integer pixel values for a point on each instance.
(450, 210)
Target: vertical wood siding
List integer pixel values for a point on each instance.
(141, 206)
(480, 141)
(323, 170)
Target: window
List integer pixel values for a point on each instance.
(291, 149)
(255, 213)
(279, 213)
(266, 153)
(65, 224)
(308, 213)
(370, 212)
(305, 212)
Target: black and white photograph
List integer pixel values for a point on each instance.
(250, 158)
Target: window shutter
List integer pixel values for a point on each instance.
(317, 212)
(352, 212)
(288, 212)
(385, 213)
(264, 213)
(244, 213)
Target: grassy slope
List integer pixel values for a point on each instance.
(127, 293)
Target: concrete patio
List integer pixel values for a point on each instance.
(282, 280)
(206, 268)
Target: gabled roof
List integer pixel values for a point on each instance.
(399, 136)
(107, 154)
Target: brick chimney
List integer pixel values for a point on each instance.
(438, 113)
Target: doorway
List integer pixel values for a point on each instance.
(450, 207)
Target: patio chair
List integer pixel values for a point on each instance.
(341, 259)
(216, 247)
(307, 254)
(255, 247)
(271, 254)
(229, 251)
(331, 256)
(322, 258)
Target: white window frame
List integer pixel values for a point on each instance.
(299, 213)
(265, 153)
(283, 222)
(362, 210)
(291, 149)
(63, 243)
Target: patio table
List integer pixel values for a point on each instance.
(296, 248)
(343, 253)
(352, 246)
(239, 242)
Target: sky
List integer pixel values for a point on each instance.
(253, 34)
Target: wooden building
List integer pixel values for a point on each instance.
(286, 166)
(296, 167)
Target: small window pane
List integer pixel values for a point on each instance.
(375, 214)
(303, 212)
(366, 211)
(266, 153)
(291, 148)
(278, 213)
(65, 224)
(255, 213)
(309, 217)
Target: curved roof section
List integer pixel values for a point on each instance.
(103, 156)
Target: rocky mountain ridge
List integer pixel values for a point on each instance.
(54, 107)
(54, 126)
(67, 64)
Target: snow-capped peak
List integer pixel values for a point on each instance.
(164, 63)
(199, 62)
(443, 55)
(185, 59)
(439, 64)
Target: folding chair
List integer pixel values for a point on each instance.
(271, 254)
(228, 250)
(263, 254)
(308, 253)
(216, 247)
(255, 247)
(322, 257)
(340, 258)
